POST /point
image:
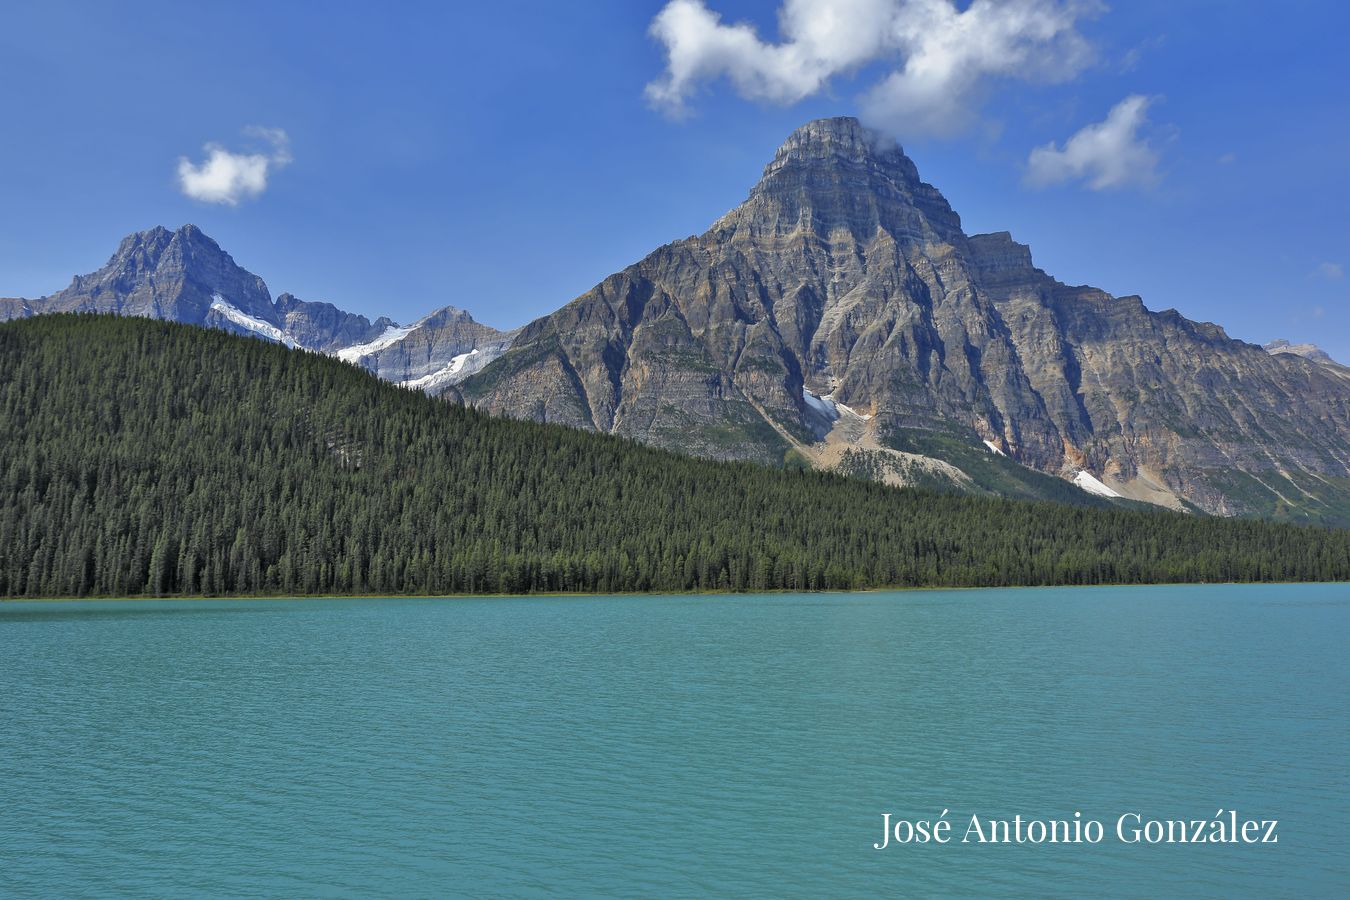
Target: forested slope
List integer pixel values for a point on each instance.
(144, 457)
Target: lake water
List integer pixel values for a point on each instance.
(671, 746)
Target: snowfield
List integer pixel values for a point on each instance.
(459, 368)
(251, 323)
(392, 335)
(1092, 485)
(443, 374)
(823, 405)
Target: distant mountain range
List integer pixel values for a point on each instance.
(839, 318)
(1308, 351)
(184, 276)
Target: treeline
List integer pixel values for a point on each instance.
(149, 458)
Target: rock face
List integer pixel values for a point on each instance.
(324, 327)
(14, 308)
(845, 277)
(184, 276)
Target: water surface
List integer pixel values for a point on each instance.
(670, 746)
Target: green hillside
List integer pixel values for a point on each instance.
(143, 457)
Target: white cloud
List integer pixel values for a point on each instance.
(1109, 154)
(1331, 271)
(939, 56)
(226, 177)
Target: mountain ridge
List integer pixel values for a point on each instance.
(154, 458)
(838, 318)
(185, 276)
(844, 276)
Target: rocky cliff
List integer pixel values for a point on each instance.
(840, 313)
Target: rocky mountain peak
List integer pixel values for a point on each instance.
(146, 248)
(167, 274)
(841, 143)
(183, 275)
(840, 139)
(152, 240)
(448, 314)
(834, 174)
(840, 315)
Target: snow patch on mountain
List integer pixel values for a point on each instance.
(443, 374)
(823, 405)
(458, 369)
(829, 398)
(392, 335)
(236, 315)
(993, 448)
(1092, 485)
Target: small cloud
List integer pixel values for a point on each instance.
(277, 137)
(1109, 154)
(1330, 271)
(1130, 61)
(939, 55)
(1227, 159)
(226, 177)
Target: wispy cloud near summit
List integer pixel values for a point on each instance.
(227, 178)
(938, 56)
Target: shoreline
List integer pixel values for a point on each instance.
(595, 594)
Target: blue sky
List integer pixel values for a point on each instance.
(506, 157)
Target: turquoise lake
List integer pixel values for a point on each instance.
(671, 746)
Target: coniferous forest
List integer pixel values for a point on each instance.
(140, 457)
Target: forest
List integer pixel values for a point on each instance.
(147, 458)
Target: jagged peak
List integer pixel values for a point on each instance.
(833, 173)
(160, 233)
(154, 241)
(447, 314)
(839, 138)
(184, 256)
(192, 235)
(151, 239)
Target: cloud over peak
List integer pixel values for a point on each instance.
(938, 55)
(226, 177)
(1104, 155)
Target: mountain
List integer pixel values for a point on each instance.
(181, 276)
(185, 276)
(840, 316)
(141, 457)
(840, 319)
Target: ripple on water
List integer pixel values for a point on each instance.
(668, 745)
